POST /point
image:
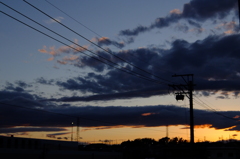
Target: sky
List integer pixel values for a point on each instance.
(110, 63)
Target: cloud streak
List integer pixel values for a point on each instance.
(199, 10)
(112, 116)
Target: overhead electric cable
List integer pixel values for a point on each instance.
(94, 31)
(179, 87)
(101, 36)
(124, 69)
(201, 103)
(72, 18)
(91, 41)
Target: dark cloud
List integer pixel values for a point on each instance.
(90, 116)
(10, 95)
(135, 31)
(95, 63)
(44, 81)
(114, 82)
(84, 85)
(140, 93)
(23, 99)
(215, 62)
(194, 23)
(205, 9)
(214, 58)
(11, 87)
(30, 129)
(22, 109)
(17, 86)
(23, 84)
(195, 10)
(15, 115)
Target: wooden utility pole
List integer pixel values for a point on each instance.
(188, 78)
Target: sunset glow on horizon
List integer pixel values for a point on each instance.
(114, 68)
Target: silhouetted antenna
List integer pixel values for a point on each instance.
(166, 130)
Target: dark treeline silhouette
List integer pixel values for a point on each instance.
(150, 148)
(171, 148)
(149, 141)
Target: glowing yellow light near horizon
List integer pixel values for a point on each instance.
(119, 134)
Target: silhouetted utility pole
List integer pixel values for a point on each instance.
(188, 78)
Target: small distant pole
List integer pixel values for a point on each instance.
(78, 121)
(72, 132)
(167, 131)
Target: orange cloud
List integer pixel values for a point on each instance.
(80, 49)
(147, 114)
(103, 39)
(71, 58)
(62, 62)
(229, 27)
(74, 48)
(229, 128)
(51, 51)
(43, 50)
(50, 59)
(199, 126)
(237, 116)
(175, 11)
(229, 32)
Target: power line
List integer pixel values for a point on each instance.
(73, 18)
(204, 104)
(101, 36)
(201, 103)
(60, 42)
(123, 68)
(92, 42)
(142, 76)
